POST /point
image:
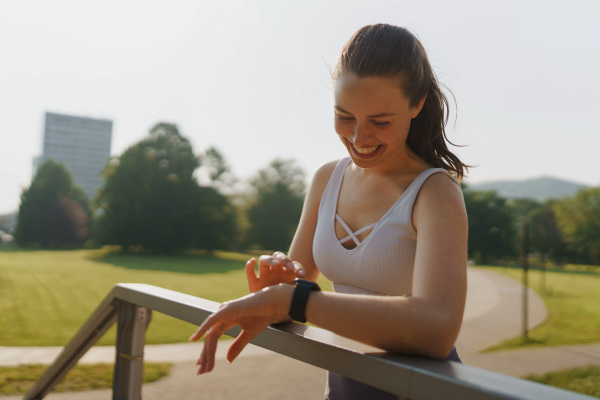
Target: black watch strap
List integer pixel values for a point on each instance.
(300, 298)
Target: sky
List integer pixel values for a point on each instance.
(252, 78)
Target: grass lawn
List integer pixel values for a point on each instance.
(45, 296)
(584, 380)
(19, 380)
(573, 302)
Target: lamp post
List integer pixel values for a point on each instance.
(525, 265)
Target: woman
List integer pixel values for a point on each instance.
(387, 225)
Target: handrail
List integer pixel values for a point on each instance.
(407, 376)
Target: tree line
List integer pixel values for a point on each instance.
(559, 231)
(152, 199)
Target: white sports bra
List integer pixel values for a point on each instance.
(383, 263)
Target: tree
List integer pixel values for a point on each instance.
(152, 199)
(218, 171)
(275, 214)
(546, 238)
(491, 229)
(579, 221)
(521, 210)
(54, 211)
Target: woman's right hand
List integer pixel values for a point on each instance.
(253, 313)
(272, 270)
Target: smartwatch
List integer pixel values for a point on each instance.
(300, 298)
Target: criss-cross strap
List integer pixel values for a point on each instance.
(351, 235)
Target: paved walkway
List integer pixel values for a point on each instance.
(492, 314)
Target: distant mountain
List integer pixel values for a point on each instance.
(541, 189)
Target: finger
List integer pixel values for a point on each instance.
(208, 352)
(265, 263)
(238, 345)
(299, 269)
(197, 335)
(201, 361)
(207, 358)
(206, 325)
(250, 273)
(284, 260)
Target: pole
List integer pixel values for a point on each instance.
(525, 264)
(131, 331)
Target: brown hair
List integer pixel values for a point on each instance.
(390, 51)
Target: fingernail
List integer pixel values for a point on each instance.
(276, 262)
(301, 272)
(290, 265)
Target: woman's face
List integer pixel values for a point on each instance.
(372, 118)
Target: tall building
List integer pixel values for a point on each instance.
(82, 144)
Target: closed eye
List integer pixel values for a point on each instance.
(343, 118)
(380, 123)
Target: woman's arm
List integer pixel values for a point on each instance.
(299, 262)
(428, 322)
(270, 297)
(301, 249)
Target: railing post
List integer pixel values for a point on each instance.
(131, 334)
(98, 323)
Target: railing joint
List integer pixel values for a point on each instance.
(133, 358)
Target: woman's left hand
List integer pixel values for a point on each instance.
(272, 270)
(253, 313)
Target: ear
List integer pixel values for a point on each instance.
(417, 109)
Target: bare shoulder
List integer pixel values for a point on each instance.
(322, 175)
(441, 184)
(325, 170)
(440, 195)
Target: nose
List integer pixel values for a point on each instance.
(360, 135)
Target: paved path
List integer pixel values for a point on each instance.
(493, 314)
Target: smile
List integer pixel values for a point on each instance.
(364, 150)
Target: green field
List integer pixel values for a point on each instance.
(584, 380)
(45, 296)
(19, 380)
(573, 302)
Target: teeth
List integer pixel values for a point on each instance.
(365, 150)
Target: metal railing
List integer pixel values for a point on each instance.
(416, 378)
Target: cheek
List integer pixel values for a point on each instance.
(341, 128)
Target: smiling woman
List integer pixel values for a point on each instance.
(387, 76)
(373, 119)
(387, 225)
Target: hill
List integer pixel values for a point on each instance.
(541, 189)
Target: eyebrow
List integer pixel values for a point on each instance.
(368, 116)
